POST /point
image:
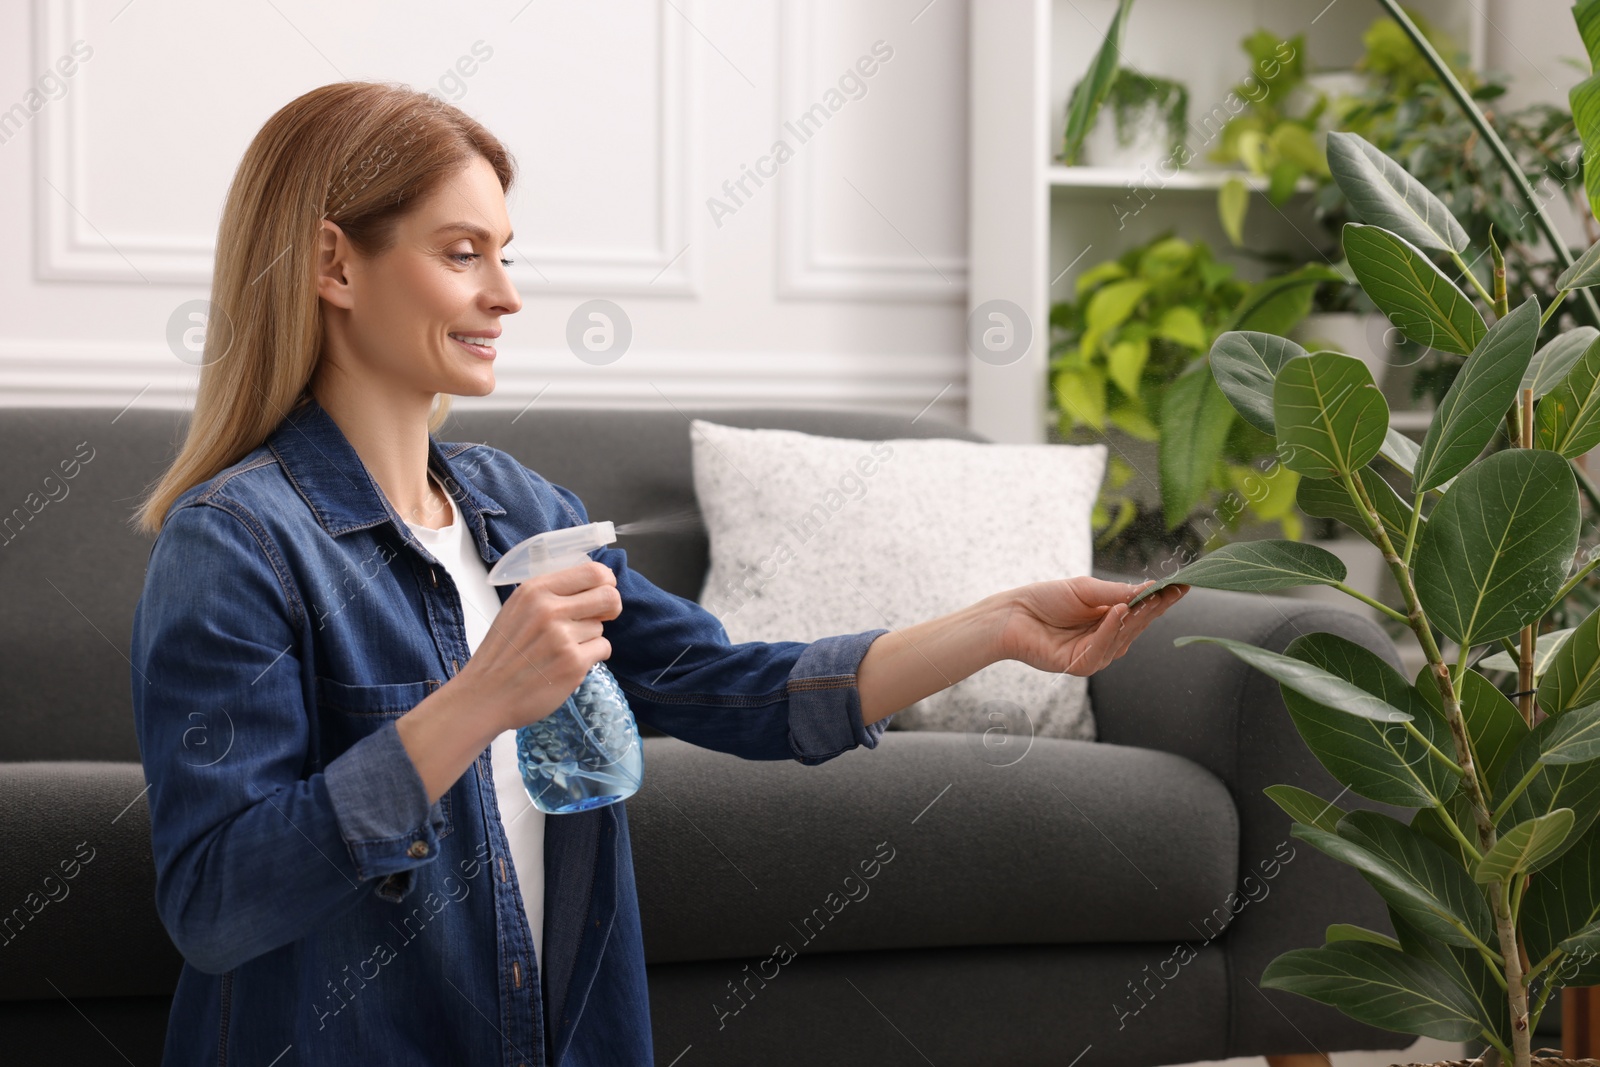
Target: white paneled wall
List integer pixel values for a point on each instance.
(829, 272)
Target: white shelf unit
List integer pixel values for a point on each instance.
(1034, 224)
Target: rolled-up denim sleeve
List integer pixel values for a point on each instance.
(250, 852)
(756, 699)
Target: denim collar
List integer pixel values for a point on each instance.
(326, 470)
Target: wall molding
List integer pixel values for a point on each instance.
(46, 373)
(70, 248)
(804, 271)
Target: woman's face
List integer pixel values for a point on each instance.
(395, 319)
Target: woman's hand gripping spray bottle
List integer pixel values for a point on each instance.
(585, 754)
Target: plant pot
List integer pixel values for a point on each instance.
(1148, 143)
(1362, 336)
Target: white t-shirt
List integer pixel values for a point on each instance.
(456, 547)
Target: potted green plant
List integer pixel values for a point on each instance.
(1492, 884)
(1126, 353)
(1275, 135)
(1150, 122)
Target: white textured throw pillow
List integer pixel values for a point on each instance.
(813, 536)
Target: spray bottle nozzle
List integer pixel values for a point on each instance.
(552, 550)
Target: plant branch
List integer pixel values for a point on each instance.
(1572, 583)
(1450, 823)
(1516, 791)
(1555, 305)
(1411, 530)
(1371, 603)
(1476, 284)
(1433, 750)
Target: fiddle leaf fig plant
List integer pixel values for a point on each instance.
(1493, 883)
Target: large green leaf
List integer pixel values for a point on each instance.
(1400, 450)
(1425, 305)
(1552, 786)
(1494, 724)
(1378, 986)
(1497, 546)
(1573, 677)
(1552, 363)
(1476, 404)
(1383, 194)
(1245, 363)
(1305, 679)
(1327, 498)
(1562, 902)
(1567, 420)
(1523, 846)
(1257, 567)
(1350, 932)
(1090, 93)
(1584, 272)
(1306, 807)
(1330, 417)
(1195, 418)
(1413, 874)
(1380, 761)
(1585, 98)
(1467, 971)
(1545, 647)
(1575, 738)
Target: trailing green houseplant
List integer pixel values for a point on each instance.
(1493, 885)
(1150, 114)
(1128, 352)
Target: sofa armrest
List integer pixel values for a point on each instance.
(77, 890)
(1202, 702)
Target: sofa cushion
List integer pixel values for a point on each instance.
(928, 840)
(812, 536)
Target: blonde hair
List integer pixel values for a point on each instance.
(361, 154)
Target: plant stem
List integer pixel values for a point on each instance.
(1450, 822)
(1508, 162)
(1516, 791)
(1516, 986)
(1555, 305)
(1476, 284)
(1572, 583)
(1501, 307)
(1433, 750)
(1538, 968)
(1411, 531)
(1371, 603)
(1525, 663)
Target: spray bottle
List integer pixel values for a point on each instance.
(585, 754)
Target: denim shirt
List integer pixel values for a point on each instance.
(324, 908)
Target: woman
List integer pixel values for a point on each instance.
(326, 687)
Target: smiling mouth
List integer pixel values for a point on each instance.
(482, 347)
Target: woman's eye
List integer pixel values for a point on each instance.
(458, 256)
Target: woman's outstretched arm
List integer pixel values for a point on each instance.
(1071, 625)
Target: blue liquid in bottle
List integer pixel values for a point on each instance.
(585, 754)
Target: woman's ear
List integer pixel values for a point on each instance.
(333, 258)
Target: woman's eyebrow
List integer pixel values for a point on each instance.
(475, 230)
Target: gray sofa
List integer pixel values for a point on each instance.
(1123, 895)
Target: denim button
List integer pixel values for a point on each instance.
(418, 849)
